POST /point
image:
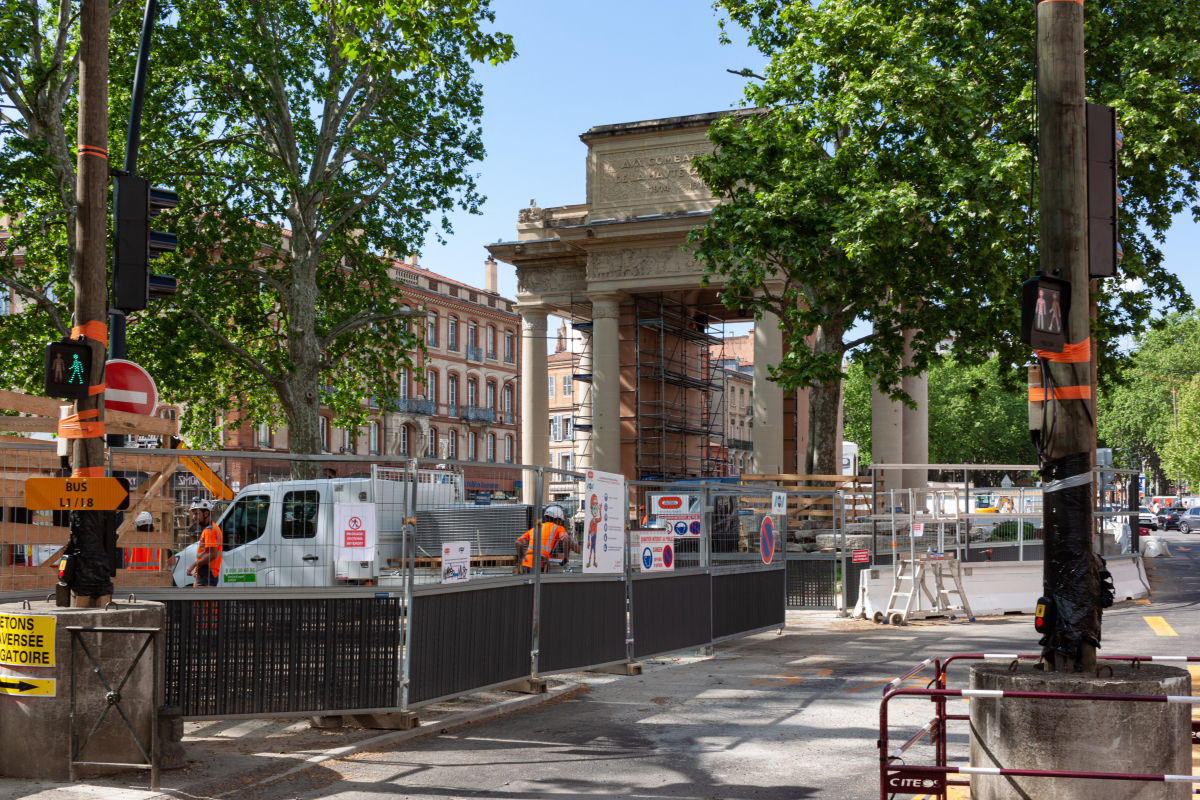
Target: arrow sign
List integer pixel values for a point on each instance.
(32, 687)
(76, 494)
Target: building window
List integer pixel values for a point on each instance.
(452, 445)
(348, 441)
(403, 440)
(491, 447)
(742, 395)
(472, 334)
(472, 392)
(264, 435)
(324, 434)
(431, 450)
(491, 342)
(551, 382)
(508, 398)
(569, 428)
(508, 449)
(452, 389)
(373, 434)
(508, 347)
(471, 446)
(555, 428)
(491, 395)
(566, 462)
(403, 379)
(431, 387)
(431, 326)
(452, 334)
(566, 386)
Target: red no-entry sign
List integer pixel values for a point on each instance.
(128, 387)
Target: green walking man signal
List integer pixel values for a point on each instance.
(67, 368)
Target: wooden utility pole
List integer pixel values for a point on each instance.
(1071, 573)
(90, 283)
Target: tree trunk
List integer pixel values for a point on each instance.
(300, 390)
(824, 409)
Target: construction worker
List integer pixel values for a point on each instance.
(643, 517)
(207, 565)
(144, 558)
(553, 534)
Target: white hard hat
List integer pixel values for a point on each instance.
(202, 505)
(144, 518)
(553, 512)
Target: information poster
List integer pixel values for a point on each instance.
(27, 640)
(605, 509)
(918, 530)
(779, 504)
(456, 562)
(657, 551)
(678, 513)
(354, 531)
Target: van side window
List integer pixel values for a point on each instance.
(300, 514)
(246, 521)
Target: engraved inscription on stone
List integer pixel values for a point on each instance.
(652, 173)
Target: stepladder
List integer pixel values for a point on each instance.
(912, 596)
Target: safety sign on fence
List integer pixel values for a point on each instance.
(604, 522)
(27, 640)
(354, 532)
(456, 562)
(918, 530)
(779, 504)
(678, 513)
(861, 557)
(766, 539)
(657, 551)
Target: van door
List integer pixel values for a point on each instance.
(246, 541)
(301, 551)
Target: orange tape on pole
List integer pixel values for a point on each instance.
(1038, 394)
(1080, 353)
(77, 426)
(89, 472)
(97, 389)
(95, 330)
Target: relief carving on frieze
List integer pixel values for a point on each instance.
(551, 280)
(637, 262)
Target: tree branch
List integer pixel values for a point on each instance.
(43, 301)
(363, 318)
(237, 350)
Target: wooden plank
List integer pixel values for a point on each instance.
(140, 578)
(29, 424)
(143, 503)
(24, 533)
(30, 404)
(33, 443)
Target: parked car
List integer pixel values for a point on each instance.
(1146, 519)
(1189, 520)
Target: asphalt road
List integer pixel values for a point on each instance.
(773, 716)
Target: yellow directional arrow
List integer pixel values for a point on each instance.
(76, 494)
(27, 687)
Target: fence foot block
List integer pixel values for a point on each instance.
(527, 686)
(401, 721)
(634, 668)
(333, 721)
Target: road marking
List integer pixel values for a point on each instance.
(876, 683)
(783, 679)
(1160, 626)
(1142, 602)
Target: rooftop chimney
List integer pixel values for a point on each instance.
(411, 260)
(489, 275)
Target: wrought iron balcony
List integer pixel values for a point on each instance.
(452, 347)
(509, 418)
(477, 414)
(451, 409)
(491, 356)
(739, 444)
(415, 405)
(508, 359)
(474, 353)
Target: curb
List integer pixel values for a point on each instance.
(396, 737)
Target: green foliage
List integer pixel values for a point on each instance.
(1181, 456)
(856, 410)
(1007, 531)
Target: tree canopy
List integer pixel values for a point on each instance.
(884, 177)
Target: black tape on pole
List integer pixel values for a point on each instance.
(92, 576)
(1071, 572)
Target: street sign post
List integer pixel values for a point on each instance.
(129, 387)
(76, 494)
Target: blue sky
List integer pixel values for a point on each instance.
(582, 65)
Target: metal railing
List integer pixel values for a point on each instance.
(474, 353)
(739, 444)
(415, 405)
(477, 414)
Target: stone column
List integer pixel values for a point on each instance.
(606, 382)
(535, 404)
(916, 425)
(768, 398)
(887, 436)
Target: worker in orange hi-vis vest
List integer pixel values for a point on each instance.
(553, 534)
(207, 565)
(142, 558)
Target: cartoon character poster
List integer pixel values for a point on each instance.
(605, 509)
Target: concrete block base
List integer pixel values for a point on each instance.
(403, 721)
(328, 722)
(1080, 735)
(634, 668)
(527, 686)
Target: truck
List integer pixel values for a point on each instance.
(280, 534)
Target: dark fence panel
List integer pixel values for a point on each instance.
(746, 601)
(812, 583)
(231, 657)
(671, 614)
(465, 640)
(582, 625)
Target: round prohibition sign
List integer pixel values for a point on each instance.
(355, 523)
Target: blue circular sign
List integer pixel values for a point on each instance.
(695, 528)
(668, 555)
(767, 539)
(681, 528)
(647, 558)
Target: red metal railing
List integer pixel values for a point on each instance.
(932, 780)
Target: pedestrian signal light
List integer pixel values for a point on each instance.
(1045, 308)
(68, 369)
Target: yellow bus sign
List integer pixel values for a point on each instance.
(76, 494)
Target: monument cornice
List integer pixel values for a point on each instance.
(552, 252)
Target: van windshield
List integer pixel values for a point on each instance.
(246, 521)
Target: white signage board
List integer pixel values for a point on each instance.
(656, 551)
(918, 530)
(779, 503)
(605, 507)
(678, 513)
(456, 562)
(353, 531)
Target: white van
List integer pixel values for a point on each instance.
(281, 534)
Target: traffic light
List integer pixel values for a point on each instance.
(1103, 143)
(68, 369)
(1045, 307)
(135, 244)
